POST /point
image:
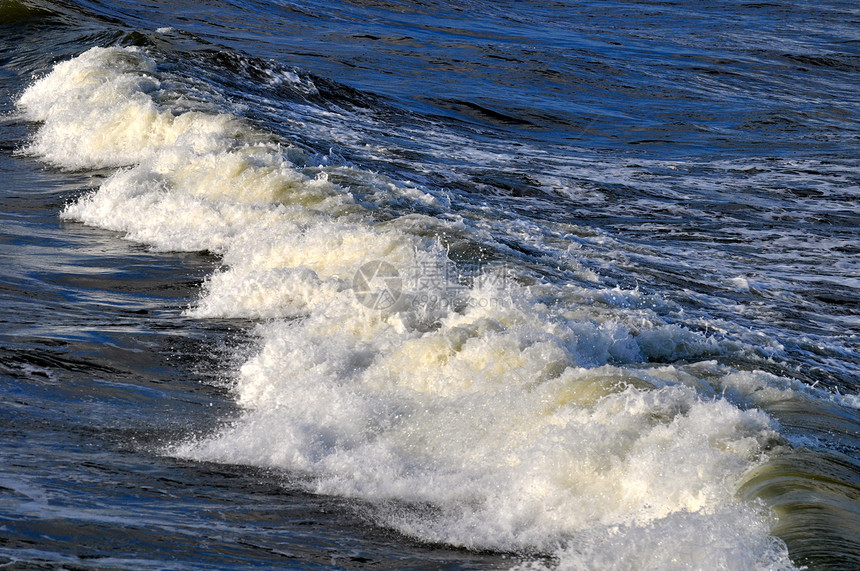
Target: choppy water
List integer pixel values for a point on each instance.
(429, 285)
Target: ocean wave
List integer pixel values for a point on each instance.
(482, 409)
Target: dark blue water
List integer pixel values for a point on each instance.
(668, 190)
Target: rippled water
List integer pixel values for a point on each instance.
(429, 284)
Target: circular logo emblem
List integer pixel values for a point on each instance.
(377, 284)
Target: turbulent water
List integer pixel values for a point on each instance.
(463, 285)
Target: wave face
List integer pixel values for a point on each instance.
(467, 399)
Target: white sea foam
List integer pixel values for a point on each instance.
(501, 416)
